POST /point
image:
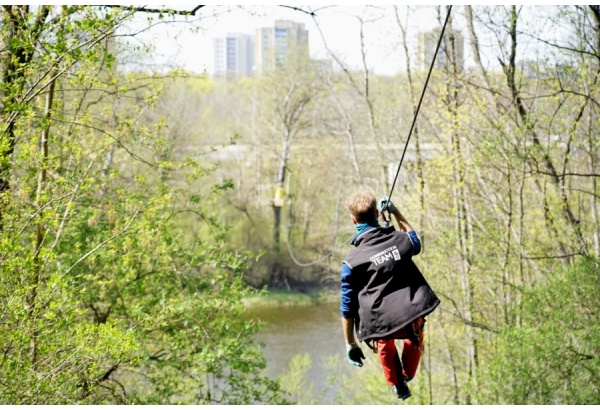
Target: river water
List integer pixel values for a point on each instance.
(312, 329)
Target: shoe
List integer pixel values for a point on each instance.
(402, 390)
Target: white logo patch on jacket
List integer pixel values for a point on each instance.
(390, 253)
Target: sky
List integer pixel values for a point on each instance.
(190, 44)
(340, 26)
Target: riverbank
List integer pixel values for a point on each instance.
(282, 297)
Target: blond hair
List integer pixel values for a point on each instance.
(362, 205)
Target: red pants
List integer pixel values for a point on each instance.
(393, 368)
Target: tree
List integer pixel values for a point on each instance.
(291, 97)
(106, 297)
(554, 360)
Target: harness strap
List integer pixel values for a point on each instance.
(374, 347)
(412, 336)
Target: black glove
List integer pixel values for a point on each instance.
(386, 203)
(354, 354)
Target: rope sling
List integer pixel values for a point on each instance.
(412, 126)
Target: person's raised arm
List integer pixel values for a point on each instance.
(402, 222)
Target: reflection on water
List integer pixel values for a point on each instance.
(290, 330)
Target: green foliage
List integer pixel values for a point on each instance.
(298, 385)
(553, 357)
(117, 282)
(295, 380)
(126, 247)
(365, 385)
(71, 351)
(282, 297)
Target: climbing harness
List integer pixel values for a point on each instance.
(412, 126)
(412, 330)
(387, 220)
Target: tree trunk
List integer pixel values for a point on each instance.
(371, 111)
(40, 231)
(418, 156)
(350, 134)
(558, 181)
(453, 365)
(19, 54)
(276, 271)
(462, 220)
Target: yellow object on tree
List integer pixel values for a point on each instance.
(279, 197)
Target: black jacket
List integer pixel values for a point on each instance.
(392, 292)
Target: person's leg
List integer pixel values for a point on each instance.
(392, 368)
(390, 361)
(411, 352)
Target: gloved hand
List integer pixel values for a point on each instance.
(354, 354)
(390, 205)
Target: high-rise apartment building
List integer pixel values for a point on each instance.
(234, 56)
(274, 45)
(426, 48)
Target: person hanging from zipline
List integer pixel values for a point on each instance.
(384, 295)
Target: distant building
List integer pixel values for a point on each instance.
(234, 56)
(426, 48)
(239, 55)
(274, 45)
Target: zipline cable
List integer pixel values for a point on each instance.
(403, 152)
(420, 100)
(304, 265)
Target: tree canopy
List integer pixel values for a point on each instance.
(138, 212)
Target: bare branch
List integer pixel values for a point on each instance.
(553, 256)
(107, 374)
(321, 8)
(584, 192)
(463, 319)
(40, 209)
(118, 141)
(584, 356)
(310, 13)
(101, 244)
(337, 59)
(143, 9)
(541, 40)
(67, 208)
